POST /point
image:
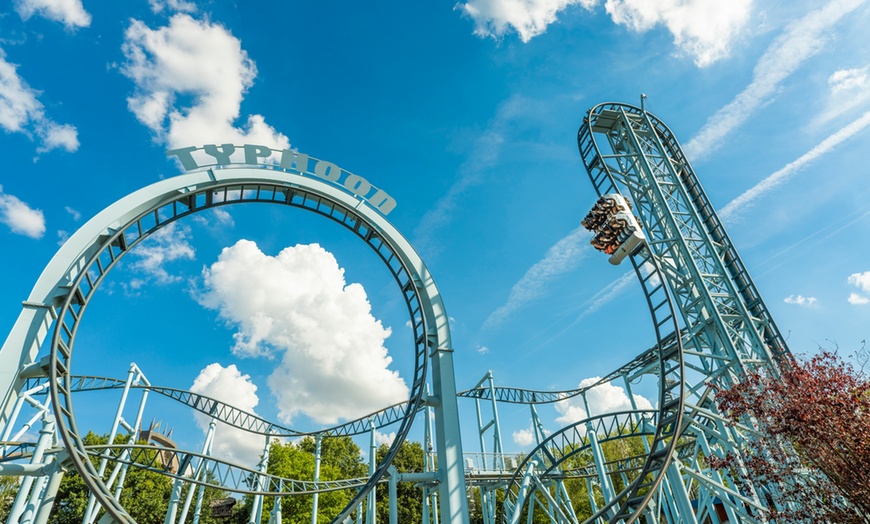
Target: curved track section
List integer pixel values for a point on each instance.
(233, 416)
(627, 505)
(124, 225)
(645, 361)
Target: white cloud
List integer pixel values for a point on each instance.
(523, 437)
(562, 257)
(856, 299)
(73, 213)
(228, 385)
(170, 243)
(789, 51)
(732, 210)
(529, 18)
(483, 350)
(297, 307)
(215, 218)
(70, 13)
(200, 60)
(385, 439)
(800, 300)
(848, 79)
(158, 6)
(703, 28)
(54, 136)
(605, 398)
(21, 218)
(21, 112)
(862, 282)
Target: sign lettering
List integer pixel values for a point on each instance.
(211, 155)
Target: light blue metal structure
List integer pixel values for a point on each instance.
(709, 326)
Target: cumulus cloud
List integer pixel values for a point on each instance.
(523, 437)
(858, 300)
(562, 257)
(604, 398)
(199, 61)
(848, 79)
(21, 112)
(862, 282)
(800, 300)
(70, 13)
(703, 28)
(385, 439)
(228, 385)
(529, 18)
(168, 244)
(21, 218)
(158, 6)
(297, 308)
(732, 210)
(800, 41)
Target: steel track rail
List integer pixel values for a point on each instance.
(107, 250)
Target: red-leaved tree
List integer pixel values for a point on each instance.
(811, 454)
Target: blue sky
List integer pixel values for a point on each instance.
(467, 114)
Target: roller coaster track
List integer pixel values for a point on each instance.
(164, 203)
(233, 416)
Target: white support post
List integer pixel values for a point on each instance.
(318, 440)
(371, 500)
(46, 502)
(394, 509)
(24, 497)
(91, 511)
(257, 507)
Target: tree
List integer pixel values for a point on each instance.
(409, 497)
(813, 449)
(340, 459)
(145, 495)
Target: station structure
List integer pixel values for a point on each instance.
(710, 328)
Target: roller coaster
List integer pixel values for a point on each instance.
(711, 328)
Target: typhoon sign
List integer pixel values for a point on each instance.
(211, 155)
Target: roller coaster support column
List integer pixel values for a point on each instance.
(27, 498)
(681, 496)
(704, 445)
(373, 462)
(55, 475)
(498, 452)
(394, 478)
(430, 497)
(451, 474)
(133, 374)
(516, 511)
(257, 506)
(275, 515)
(598, 456)
(318, 440)
(134, 435)
(206, 450)
(199, 496)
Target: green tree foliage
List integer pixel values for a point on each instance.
(409, 498)
(8, 489)
(145, 495)
(340, 459)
